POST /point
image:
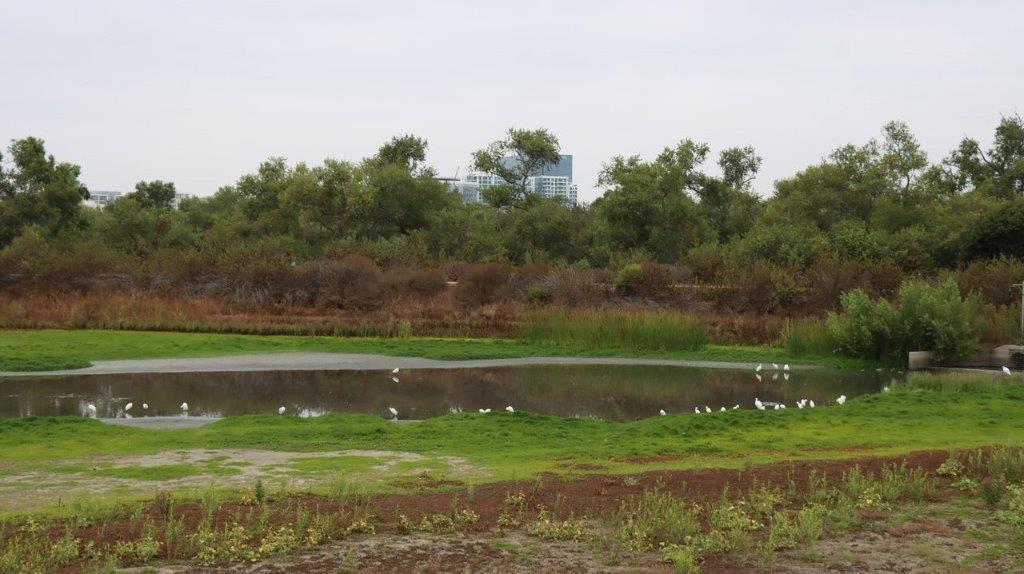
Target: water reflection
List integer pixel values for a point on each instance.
(621, 392)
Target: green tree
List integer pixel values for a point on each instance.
(38, 191)
(155, 193)
(515, 159)
(999, 171)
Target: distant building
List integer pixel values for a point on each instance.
(178, 197)
(552, 186)
(102, 198)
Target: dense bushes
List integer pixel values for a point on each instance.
(925, 317)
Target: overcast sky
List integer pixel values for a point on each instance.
(200, 92)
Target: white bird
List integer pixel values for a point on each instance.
(775, 366)
(707, 409)
(696, 410)
(394, 379)
(785, 376)
(758, 369)
(721, 410)
(510, 409)
(91, 409)
(662, 412)
(393, 411)
(1006, 369)
(145, 406)
(128, 407)
(785, 367)
(799, 404)
(776, 407)
(280, 410)
(394, 371)
(758, 404)
(734, 407)
(485, 411)
(782, 405)
(841, 399)
(758, 378)
(775, 377)
(184, 406)
(811, 403)
(885, 389)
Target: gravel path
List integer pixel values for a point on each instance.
(351, 362)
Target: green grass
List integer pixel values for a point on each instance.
(158, 472)
(640, 331)
(344, 464)
(39, 350)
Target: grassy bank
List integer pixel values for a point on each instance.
(36, 350)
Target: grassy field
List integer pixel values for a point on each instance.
(80, 474)
(37, 350)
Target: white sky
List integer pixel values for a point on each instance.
(199, 92)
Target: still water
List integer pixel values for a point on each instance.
(621, 392)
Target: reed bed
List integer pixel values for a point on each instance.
(807, 337)
(635, 330)
(956, 382)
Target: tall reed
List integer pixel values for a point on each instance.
(636, 330)
(810, 336)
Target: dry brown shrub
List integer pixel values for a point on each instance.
(483, 283)
(578, 287)
(418, 282)
(991, 279)
(354, 282)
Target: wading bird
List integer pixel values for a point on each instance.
(91, 409)
(758, 404)
(280, 410)
(184, 406)
(707, 409)
(785, 367)
(510, 409)
(394, 371)
(696, 410)
(485, 411)
(145, 406)
(1006, 369)
(841, 399)
(662, 412)
(128, 407)
(392, 410)
(758, 369)
(811, 404)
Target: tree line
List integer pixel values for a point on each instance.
(880, 202)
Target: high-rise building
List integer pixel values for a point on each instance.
(551, 181)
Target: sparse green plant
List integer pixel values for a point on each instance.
(991, 491)
(654, 518)
(682, 557)
(549, 528)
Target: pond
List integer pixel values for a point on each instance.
(616, 392)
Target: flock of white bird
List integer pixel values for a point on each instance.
(758, 404)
